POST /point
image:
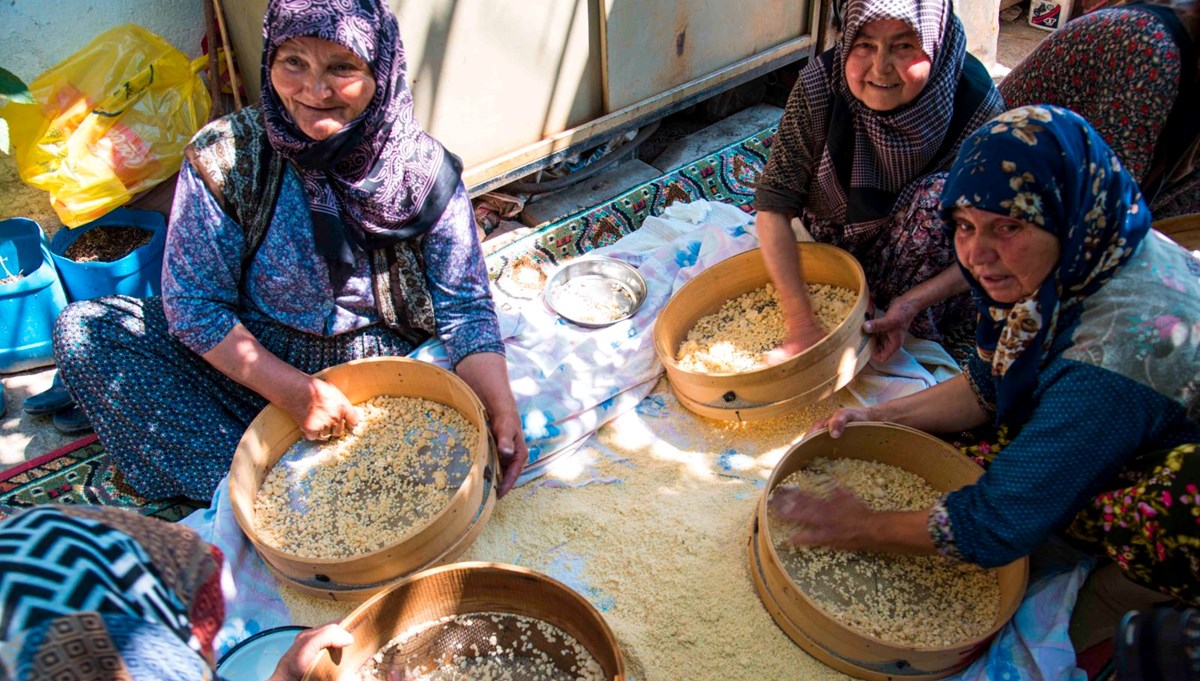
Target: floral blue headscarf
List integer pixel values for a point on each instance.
(1047, 166)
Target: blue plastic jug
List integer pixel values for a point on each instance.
(31, 296)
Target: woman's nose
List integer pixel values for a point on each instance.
(318, 87)
(883, 61)
(975, 250)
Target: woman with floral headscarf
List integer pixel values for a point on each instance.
(320, 227)
(1088, 344)
(866, 137)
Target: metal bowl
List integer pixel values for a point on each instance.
(595, 291)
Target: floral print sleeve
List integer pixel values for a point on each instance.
(940, 530)
(458, 283)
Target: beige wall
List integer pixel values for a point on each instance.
(36, 35)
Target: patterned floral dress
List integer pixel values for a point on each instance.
(1122, 69)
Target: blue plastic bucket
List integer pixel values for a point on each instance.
(30, 303)
(138, 274)
(255, 658)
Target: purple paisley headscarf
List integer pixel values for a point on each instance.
(381, 178)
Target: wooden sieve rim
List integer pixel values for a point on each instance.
(701, 282)
(340, 375)
(787, 465)
(445, 589)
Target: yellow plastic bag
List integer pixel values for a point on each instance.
(108, 122)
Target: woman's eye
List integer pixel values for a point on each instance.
(963, 227)
(862, 46)
(1008, 229)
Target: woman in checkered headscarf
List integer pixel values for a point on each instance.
(867, 134)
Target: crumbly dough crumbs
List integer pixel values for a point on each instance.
(737, 337)
(924, 601)
(367, 489)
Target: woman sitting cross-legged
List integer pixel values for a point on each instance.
(1088, 340)
(321, 227)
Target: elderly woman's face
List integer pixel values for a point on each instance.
(1010, 258)
(323, 85)
(887, 67)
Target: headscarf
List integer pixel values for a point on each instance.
(381, 178)
(871, 159)
(105, 593)
(1047, 166)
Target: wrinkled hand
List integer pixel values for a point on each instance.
(801, 336)
(835, 521)
(324, 412)
(889, 329)
(510, 443)
(836, 422)
(305, 649)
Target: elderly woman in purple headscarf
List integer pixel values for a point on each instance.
(320, 227)
(867, 135)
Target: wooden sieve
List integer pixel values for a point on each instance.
(433, 540)
(449, 609)
(803, 620)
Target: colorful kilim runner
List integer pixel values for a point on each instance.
(81, 473)
(519, 269)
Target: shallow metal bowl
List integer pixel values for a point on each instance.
(595, 291)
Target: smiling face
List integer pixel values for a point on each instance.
(887, 67)
(323, 85)
(1010, 258)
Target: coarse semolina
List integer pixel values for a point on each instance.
(485, 646)
(737, 337)
(923, 601)
(398, 468)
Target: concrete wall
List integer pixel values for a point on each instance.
(36, 34)
(981, 19)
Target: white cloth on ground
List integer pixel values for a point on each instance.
(568, 381)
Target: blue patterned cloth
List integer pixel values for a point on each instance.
(1096, 366)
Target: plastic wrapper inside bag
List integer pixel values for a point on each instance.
(108, 122)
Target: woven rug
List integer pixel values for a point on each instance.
(519, 270)
(79, 473)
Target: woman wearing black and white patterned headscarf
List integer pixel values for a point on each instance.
(867, 133)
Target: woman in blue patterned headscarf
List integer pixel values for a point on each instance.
(1088, 344)
(320, 227)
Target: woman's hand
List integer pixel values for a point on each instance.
(889, 329)
(836, 422)
(803, 333)
(838, 520)
(322, 411)
(305, 649)
(487, 374)
(510, 443)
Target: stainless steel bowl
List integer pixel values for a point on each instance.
(595, 291)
